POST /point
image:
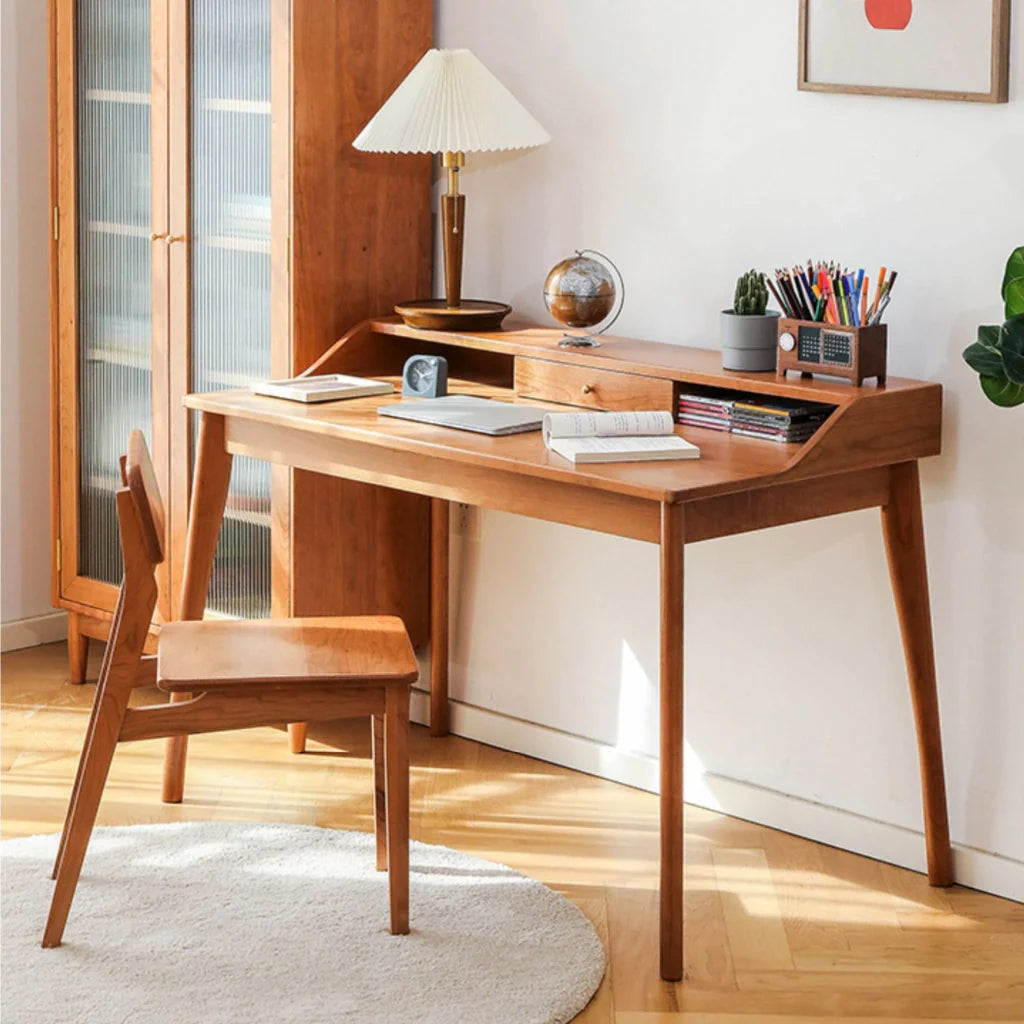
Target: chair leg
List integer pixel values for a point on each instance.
(380, 828)
(175, 756)
(297, 736)
(108, 654)
(73, 802)
(396, 766)
(96, 766)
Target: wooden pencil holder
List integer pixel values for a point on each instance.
(833, 350)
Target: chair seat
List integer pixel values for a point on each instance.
(229, 654)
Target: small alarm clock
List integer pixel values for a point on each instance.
(425, 376)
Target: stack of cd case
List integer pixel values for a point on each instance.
(776, 419)
(769, 418)
(707, 411)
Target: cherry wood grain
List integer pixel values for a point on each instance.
(231, 674)
(360, 242)
(590, 387)
(903, 528)
(439, 575)
(226, 654)
(350, 236)
(140, 479)
(738, 484)
(209, 494)
(380, 822)
(673, 541)
(649, 358)
(869, 942)
(78, 649)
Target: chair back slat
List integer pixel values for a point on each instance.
(141, 480)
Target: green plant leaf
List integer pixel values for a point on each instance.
(988, 335)
(985, 359)
(1011, 336)
(1013, 284)
(1002, 392)
(1014, 366)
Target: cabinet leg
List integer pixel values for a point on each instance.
(673, 540)
(297, 737)
(78, 649)
(439, 617)
(903, 529)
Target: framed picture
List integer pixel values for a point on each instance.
(935, 49)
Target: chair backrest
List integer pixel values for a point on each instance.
(140, 517)
(140, 478)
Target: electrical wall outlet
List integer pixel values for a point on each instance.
(467, 520)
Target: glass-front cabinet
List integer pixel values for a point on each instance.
(212, 226)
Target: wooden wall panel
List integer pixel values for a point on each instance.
(361, 241)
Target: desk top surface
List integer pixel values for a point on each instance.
(728, 462)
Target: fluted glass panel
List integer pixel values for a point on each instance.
(230, 247)
(114, 335)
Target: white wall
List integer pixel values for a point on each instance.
(24, 330)
(682, 148)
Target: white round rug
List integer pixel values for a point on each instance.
(226, 923)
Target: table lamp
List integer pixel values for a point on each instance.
(451, 104)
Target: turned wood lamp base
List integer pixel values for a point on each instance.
(469, 315)
(453, 313)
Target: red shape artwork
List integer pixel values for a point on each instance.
(891, 14)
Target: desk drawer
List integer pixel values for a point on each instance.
(593, 389)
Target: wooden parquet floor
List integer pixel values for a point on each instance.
(778, 929)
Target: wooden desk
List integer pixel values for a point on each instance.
(865, 455)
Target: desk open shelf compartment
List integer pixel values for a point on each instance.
(739, 395)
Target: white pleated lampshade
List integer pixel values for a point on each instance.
(447, 103)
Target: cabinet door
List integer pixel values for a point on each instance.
(224, 294)
(111, 365)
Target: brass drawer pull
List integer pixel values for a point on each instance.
(587, 389)
(171, 239)
(157, 235)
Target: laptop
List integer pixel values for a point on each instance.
(466, 412)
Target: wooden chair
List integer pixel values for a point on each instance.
(240, 674)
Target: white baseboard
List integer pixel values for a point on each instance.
(40, 629)
(894, 844)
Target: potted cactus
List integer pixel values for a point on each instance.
(749, 333)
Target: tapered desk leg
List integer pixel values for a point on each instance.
(903, 529)
(438, 617)
(673, 539)
(209, 495)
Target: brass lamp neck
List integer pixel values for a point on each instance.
(454, 162)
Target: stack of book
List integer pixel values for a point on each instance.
(776, 419)
(706, 411)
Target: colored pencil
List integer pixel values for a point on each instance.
(778, 298)
(878, 291)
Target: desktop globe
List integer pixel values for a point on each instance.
(581, 292)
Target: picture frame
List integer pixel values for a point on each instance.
(837, 53)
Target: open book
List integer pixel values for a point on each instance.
(325, 387)
(615, 437)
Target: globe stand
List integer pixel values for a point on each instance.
(579, 341)
(580, 314)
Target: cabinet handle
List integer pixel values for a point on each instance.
(157, 235)
(171, 239)
(587, 389)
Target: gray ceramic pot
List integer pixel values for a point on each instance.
(749, 342)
